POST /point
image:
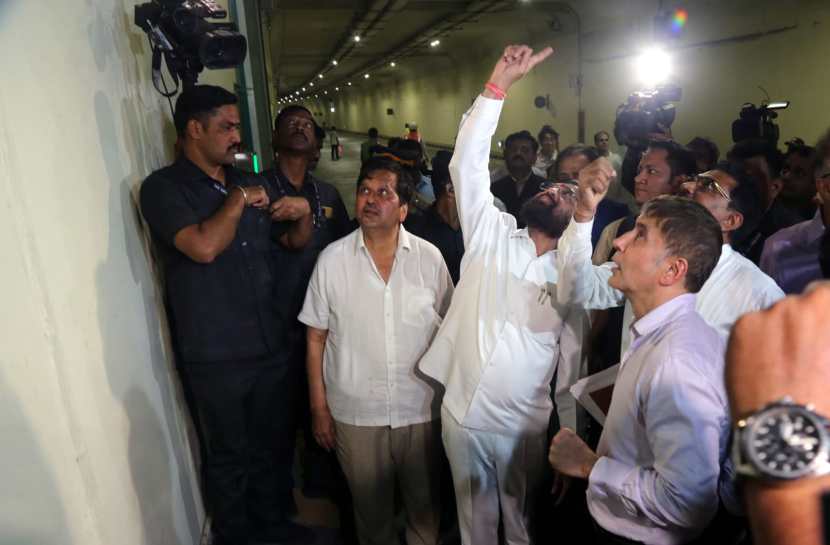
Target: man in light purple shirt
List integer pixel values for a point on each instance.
(654, 476)
(791, 256)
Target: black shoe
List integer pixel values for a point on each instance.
(288, 533)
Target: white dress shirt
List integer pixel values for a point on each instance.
(504, 334)
(665, 435)
(790, 256)
(378, 331)
(735, 287)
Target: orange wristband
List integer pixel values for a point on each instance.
(496, 90)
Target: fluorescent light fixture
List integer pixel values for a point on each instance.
(653, 66)
(435, 43)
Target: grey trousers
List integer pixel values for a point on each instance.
(495, 477)
(374, 459)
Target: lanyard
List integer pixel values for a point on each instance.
(317, 206)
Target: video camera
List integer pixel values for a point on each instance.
(645, 112)
(755, 123)
(179, 31)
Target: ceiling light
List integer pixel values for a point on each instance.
(349, 83)
(334, 62)
(325, 92)
(337, 88)
(304, 89)
(311, 84)
(357, 37)
(653, 66)
(392, 64)
(365, 76)
(435, 43)
(331, 109)
(320, 76)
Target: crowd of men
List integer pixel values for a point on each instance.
(427, 348)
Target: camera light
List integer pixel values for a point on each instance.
(778, 105)
(653, 66)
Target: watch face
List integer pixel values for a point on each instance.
(786, 442)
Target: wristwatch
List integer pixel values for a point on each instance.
(782, 441)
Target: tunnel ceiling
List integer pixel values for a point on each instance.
(307, 35)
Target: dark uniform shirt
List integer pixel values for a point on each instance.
(431, 227)
(331, 222)
(222, 310)
(505, 190)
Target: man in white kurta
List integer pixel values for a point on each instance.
(500, 345)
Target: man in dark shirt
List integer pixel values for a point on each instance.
(214, 226)
(296, 147)
(521, 183)
(764, 162)
(439, 224)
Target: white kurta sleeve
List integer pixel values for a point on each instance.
(580, 282)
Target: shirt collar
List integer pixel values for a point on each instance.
(814, 228)
(404, 240)
(663, 314)
(188, 170)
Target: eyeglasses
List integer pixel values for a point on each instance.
(383, 194)
(707, 184)
(566, 188)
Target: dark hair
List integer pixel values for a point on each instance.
(689, 231)
(290, 109)
(705, 145)
(748, 149)
(547, 129)
(681, 159)
(521, 135)
(373, 133)
(590, 152)
(798, 147)
(603, 131)
(403, 183)
(200, 102)
(441, 171)
(744, 198)
(319, 134)
(545, 217)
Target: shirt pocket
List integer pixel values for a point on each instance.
(419, 308)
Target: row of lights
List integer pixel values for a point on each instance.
(296, 94)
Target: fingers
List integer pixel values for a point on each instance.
(533, 60)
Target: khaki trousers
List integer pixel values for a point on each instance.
(374, 459)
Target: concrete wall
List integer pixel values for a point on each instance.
(95, 441)
(716, 77)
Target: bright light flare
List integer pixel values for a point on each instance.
(653, 67)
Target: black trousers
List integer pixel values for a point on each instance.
(335, 152)
(246, 412)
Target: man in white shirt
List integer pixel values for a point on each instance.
(373, 305)
(505, 336)
(654, 476)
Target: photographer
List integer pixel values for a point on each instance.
(214, 228)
